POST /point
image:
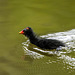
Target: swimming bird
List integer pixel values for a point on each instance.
(42, 43)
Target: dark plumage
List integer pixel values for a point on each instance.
(40, 42)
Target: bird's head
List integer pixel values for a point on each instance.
(27, 32)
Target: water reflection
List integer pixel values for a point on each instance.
(67, 53)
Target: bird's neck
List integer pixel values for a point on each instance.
(33, 39)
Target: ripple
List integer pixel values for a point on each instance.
(68, 60)
(67, 37)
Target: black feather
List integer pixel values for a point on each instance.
(40, 42)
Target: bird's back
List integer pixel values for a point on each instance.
(48, 43)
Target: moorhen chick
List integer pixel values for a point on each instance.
(41, 42)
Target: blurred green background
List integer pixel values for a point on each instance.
(44, 16)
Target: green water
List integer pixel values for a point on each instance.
(44, 16)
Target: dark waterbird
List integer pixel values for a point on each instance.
(41, 42)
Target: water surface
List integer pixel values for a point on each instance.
(49, 19)
(65, 54)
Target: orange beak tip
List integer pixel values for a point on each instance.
(21, 32)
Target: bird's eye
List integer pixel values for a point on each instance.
(27, 28)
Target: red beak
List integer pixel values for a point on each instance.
(21, 32)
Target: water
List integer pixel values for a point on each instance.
(67, 37)
(49, 19)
